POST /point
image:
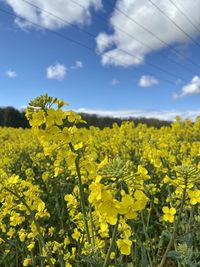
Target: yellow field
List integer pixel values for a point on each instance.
(125, 196)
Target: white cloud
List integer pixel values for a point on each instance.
(147, 81)
(11, 74)
(78, 65)
(115, 82)
(192, 88)
(111, 46)
(64, 9)
(57, 72)
(169, 115)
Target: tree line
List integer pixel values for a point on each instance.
(11, 117)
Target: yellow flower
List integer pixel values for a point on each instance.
(11, 232)
(109, 207)
(22, 235)
(168, 214)
(68, 264)
(27, 262)
(104, 226)
(104, 229)
(143, 172)
(124, 246)
(71, 200)
(73, 254)
(51, 231)
(7, 251)
(141, 200)
(16, 219)
(76, 235)
(112, 255)
(31, 246)
(103, 163)
(127, 207)
(194, 196)
(78, 146)
(38, 118)
(156, 201)
(66, 241)
(41, 206)
(53, 260)
(96, 192)
(73, 117)
(54, 117)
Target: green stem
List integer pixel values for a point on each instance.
(82, 200)
(175, 229)
(147, 239)
(111, 244)
(16, 257)
(160, 243)
(92, 225)
(170, 195)
(32, 259)
(190, 221)
(175, 246)
(133, 256)
(42, 259)
(149, 213)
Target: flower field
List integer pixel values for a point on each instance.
(121, 196)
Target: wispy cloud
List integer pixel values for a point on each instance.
(192, 88)
(78, 65)
(147, 81)
(11, 74)
(183, 52)
(178, 82)
(169, 115)
(111, 47)
(56, 72)
(115, 82)
(64, 9)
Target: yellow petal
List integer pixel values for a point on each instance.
(165, 209)
(172, 211)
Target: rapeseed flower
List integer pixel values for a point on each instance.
(168, 214)
(194, 196)
(124, 246)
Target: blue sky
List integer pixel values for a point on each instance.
(116, 76)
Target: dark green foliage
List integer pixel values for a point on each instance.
(11, 117)
(102, 122)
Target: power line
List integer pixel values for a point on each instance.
(185, 15)
(150, 32)
(94, 36)
(73, 41)
(61, 19)
(134, 38)
(173, 22)
(52, 31)
(182, 6)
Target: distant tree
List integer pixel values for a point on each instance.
(1, 116)
(11, 117)
(102, 122)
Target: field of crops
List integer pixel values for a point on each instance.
(121, 196)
